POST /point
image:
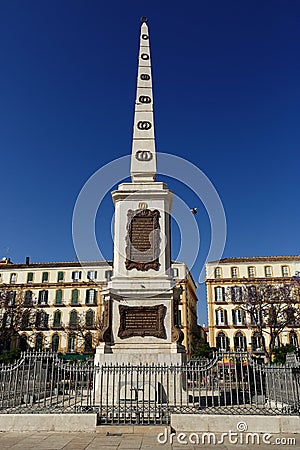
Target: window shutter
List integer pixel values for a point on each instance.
(29, 277)
(58, 297)
(45, 276)
(57, 318)
(60, 276)
(75, 296)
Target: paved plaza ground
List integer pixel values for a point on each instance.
(117, 440)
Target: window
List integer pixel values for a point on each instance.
(42, 319)
(74, 298)
(29, 277)
(251, 272)
(179, 318)
(71, 343)
(221, 317)
(92, 275)
(73, 319)
(222, 342)
(88, 343)
(25, 320)
(45, 277)
(294, 339)
(257, 342)
(174, 273)
(108, 274)
(58, 297)
(91, 297)
(13, 277)
(89, 319)
(285, 271)
(238, 317)
(219, 294)
(76, 276)
(55, 343)
(28, 298)
(39, 342)
(236, 294)
(60, 276)
(23, 343)
(218, 272)
(43, 298)
(7, 320)
(57, 319)
(11, 298)
(268, 271)
(290, 313)
(234, 272)
(240, 342)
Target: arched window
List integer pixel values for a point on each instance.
(88, 343)
(238, 317)
(221, 317)
(23, 343)
(222, 342)
(55, 343)
(39, 342)
(240, 342)
(294, 339)
(73, 319)
(89, 319)
(71, 343)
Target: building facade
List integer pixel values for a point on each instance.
(65, 303)
(230, 326)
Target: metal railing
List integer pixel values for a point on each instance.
(42, 382)
(229, 383)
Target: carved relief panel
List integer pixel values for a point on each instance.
(142, 240)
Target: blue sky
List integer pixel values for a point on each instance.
(227, 98)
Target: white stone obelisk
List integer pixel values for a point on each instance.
(139, 319)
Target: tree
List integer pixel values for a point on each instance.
(17, 314)
(271, 308)
(80, 329)
(203, 350)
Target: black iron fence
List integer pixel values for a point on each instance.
(230, 383)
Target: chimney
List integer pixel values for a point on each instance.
(27, 260)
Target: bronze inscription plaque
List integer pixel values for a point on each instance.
(142, 240)
(142, 321)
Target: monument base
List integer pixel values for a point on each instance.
(156, 354)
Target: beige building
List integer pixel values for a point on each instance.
(66, 301)
(229, 326)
